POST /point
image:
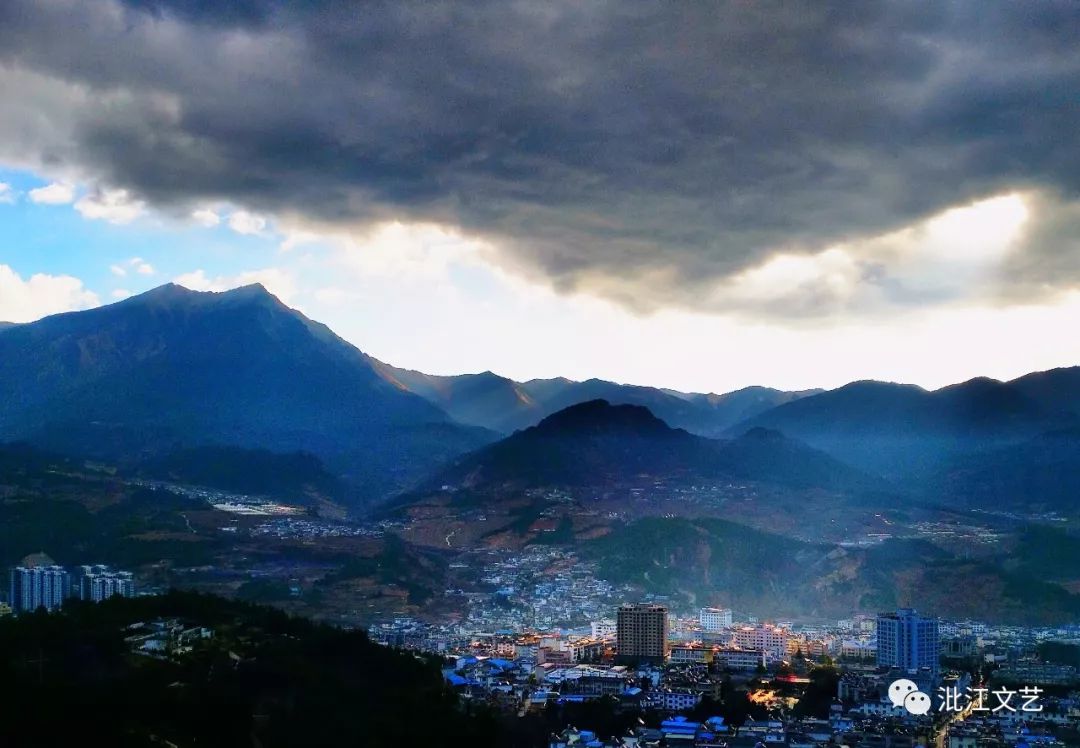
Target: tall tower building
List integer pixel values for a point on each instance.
(34, 587)
(641, 633)
(907, 640)
(99, 582)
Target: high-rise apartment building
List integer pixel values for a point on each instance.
(98, 582)
(34, 587)
(907, 640)
(641, 633)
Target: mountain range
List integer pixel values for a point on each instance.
(503, 405)
(173, 370)
(237, 391)
(903, 431)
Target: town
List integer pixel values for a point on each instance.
(683, 672)
(651, 676)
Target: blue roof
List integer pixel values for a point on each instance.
(632, 691)
(456, 680)
(500, 663)
(679, 725)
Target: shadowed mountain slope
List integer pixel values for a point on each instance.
(904, 431)
(174, 367)
(597, 443)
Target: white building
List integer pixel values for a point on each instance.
(691, 652)
(603, 628)
(858, 650)
(98, 582)
(715, 619)
(739, 659)
(772, 640)
(34, 587)
(676, 701)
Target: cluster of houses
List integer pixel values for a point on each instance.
(862, 713)
(714, 732)
(165, 638)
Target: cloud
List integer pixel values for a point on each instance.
(206, 217)
(1049, 254)
(648, 154)
(40, 295)
(277, 281)
(246, 223)
(136, 264)
(120, 293)
(56, 193)
(7, 195)
(112, 205)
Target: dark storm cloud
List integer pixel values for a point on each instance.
(622, 141)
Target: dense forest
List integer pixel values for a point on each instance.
(263, 679)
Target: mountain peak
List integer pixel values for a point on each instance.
(176, 292)
(250, 291)
(174, 297)
(600, 416)
(167, 291)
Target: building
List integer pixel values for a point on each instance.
(907, 641)
(99, 582)
(810, 647)
(773, 640)
(715, 619)
(34, 587)
(739, 659)
(586, 650)
(676, 700)
(641, 633)
(691, 652)
(853, 649)
(38, 587)
(602, 628)
(960, 645)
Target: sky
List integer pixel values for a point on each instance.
(698, 196)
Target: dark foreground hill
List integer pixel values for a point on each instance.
(175, 368)
(597, 444)
(263, 678)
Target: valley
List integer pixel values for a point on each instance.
(333, 502)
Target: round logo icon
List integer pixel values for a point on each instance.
(899, 690)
